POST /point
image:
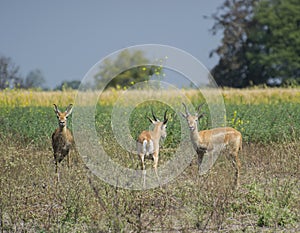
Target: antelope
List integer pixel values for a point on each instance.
(148, 141)
(62, 138)
(204, 140)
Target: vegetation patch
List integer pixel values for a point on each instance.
(32, 201)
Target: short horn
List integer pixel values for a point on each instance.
(165, 117)
(199, 108)
(198, 111)
(186, 110)
(154, 117)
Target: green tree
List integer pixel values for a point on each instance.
(125, 77)
(232, 18)
(9, 74)
(65, 85)
(261, 42)
(35, 79)
(274, 40)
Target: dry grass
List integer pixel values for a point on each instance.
(32, 200)
(268, 200)
(261, 96)
(23, 98)
(13, 98)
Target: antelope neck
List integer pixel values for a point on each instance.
(156, 129)
(195, 134)
(63, 129)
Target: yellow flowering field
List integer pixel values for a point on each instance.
(24, 98)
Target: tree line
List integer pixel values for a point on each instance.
(10, 76)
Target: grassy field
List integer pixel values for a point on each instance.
(268, 201)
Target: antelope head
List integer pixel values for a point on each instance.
(192, 120)
(62, 116)
(158, 125)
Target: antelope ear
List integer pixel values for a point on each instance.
(69, 110)
(56, 110)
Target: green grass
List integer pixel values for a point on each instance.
(257, 123)
(266, 123)
(268, 200)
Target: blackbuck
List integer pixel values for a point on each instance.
(205, 140)
(62, 138)
(148, 141)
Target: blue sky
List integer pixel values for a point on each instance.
(64, 39)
